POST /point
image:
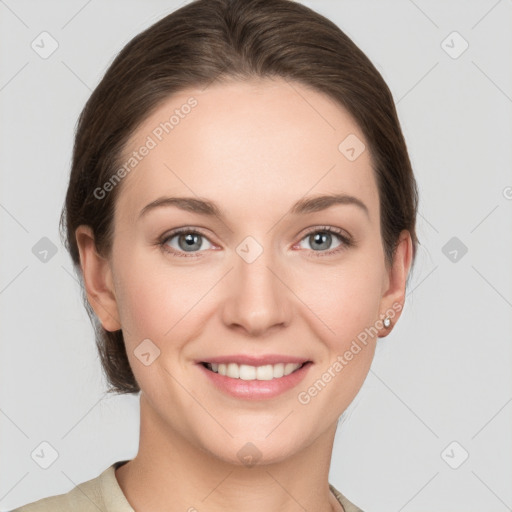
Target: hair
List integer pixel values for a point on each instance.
(208, 40)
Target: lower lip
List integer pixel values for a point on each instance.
(256, 389)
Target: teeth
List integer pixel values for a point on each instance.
(231, 370)
(246, 372)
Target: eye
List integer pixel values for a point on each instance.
(185, 240)
(321, 239)
(189, 242)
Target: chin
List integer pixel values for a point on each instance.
(256, 448)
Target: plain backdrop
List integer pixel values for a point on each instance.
(431, 427)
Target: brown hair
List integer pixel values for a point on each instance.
(214, 39)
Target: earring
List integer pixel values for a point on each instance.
(387, 322)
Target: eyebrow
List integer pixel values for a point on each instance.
(301, 207)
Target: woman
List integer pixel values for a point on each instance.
(241, 209)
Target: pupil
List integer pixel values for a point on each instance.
(323, 239)
(190, 241)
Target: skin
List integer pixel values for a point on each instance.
(254, 148)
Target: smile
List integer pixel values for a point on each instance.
(247, 372)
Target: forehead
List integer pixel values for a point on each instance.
(267, 141)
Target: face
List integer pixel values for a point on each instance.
(261, 272)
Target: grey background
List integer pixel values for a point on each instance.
(443, 375)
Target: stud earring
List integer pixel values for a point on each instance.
(387, 322)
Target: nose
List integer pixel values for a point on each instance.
(257, 298)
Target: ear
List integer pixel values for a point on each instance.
(393, 299)
(97, 275)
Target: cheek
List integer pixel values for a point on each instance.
(154, 298)
(345, 299)
(157, 299)
(157, 305)
(345, 303)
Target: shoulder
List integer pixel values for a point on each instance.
(347, 505)
(100, 493)
(84, 497)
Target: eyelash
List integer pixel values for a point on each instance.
(346, 241)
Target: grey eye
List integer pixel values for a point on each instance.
(187, 241)
(321, 240)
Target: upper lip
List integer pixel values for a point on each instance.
(254, 360)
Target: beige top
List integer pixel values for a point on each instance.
(104, 494)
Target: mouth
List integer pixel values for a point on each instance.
(248, 372)
(249, 377)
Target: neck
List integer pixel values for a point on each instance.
(169, 473)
